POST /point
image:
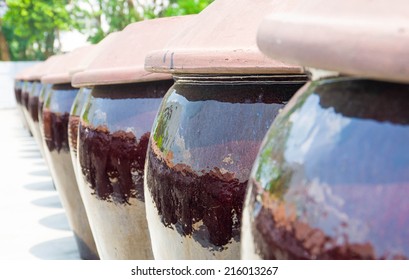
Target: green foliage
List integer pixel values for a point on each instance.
(97, 18)
(117, 14)
(186, 7)
(31, 27)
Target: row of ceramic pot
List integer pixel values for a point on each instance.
(154, 137)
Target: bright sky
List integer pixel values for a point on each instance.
(73, 39)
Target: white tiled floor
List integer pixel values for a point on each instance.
(33, 224)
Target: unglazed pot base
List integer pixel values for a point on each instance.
(178, 247)
(128, 238)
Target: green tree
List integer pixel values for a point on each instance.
(97, 18)
(186, 7)
(161, 8)
(32, 27)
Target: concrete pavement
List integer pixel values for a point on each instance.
(33, 224)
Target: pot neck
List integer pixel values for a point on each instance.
(241, 79)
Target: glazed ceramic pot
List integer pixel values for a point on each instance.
(45, 91)
(113, 137)
(82, 97)
(55, 117)
(330, 179)
(33, 112)
(18, 88)
(78, 105)
(33, 100)
(25, 93)
(203, 144)
(23, 87)
(209, 129)
(18, 84)
(56, 110)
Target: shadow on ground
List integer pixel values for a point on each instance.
(57, 221)
(43, 172)
(40, 186)
(50, 201)
(56, 249)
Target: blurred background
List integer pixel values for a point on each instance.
(37, 29)
(33, 30)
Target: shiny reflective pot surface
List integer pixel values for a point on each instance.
(33, 120)
(332, 178)
(25, 94)
(78, 105)
(113, 138)
(203, 143)
(55, 117)
(45, 91)
(18, 88)
(18, 85)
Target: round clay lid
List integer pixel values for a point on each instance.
(367, 38)
(220, 40)
(44, 69)
(84, 63)
(60, 73)
(122, 61)
(26, 73)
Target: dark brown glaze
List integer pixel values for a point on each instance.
(18, 91)
(55, 122)
(56, 130)
(24, 98)
(33, 99)
(33, 108)
(73, 125)
(112, 160)
(332, 177)
(212, 198)
(41, 100)
(204, 141)
(113, 137)
(25, 93)
(113, 163)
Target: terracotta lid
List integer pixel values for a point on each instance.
(44, 68)
(60, 73)
(122, 61)
(84, 63)
(367, 38)
(26, 73)
(221, 39)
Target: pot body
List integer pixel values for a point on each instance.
(45, 91)
(18, 93)
(203, 143)
(33, 120)
(55, 118)
(113, 137)
(332, 177)
(27, 87)
(78, 105)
